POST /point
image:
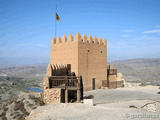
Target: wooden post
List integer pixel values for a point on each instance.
(78, 95)
(66, 95)
(93, 84)
(78, 89)
(69, 68)
(66, 90)
(81, 88)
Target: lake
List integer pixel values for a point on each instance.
(35, 89)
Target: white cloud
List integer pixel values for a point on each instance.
(125, 36)
(151, 31)
(147, 38)
(128, 30)
(144, 37)
(157, 26)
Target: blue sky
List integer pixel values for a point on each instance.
(131, 27)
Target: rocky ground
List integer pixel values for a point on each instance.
(16, 102)
(114, 104)
(19, 107)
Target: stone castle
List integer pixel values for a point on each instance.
(87, 56)
(78, 56)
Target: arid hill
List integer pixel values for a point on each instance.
(16, 80)
(145, 71)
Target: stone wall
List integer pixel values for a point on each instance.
(52, 95)
(87, 56)
(112, 77)
(120, 80)
(112, 81)
(92, 61)
(64, 52)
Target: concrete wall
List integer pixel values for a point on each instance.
(88, 57)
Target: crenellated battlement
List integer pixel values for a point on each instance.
(78, 38)
(73, 56)
(87, 56)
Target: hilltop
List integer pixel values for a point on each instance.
(145, 71)
(14, 80)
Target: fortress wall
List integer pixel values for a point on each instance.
(65, 52)
(92, 54)
(90, 64)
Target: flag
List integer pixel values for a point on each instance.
(57, 17)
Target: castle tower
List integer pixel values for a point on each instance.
(87, 56)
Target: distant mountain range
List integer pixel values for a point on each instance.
(21, 61)
(145, 71)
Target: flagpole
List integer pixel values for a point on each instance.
(55, 19)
